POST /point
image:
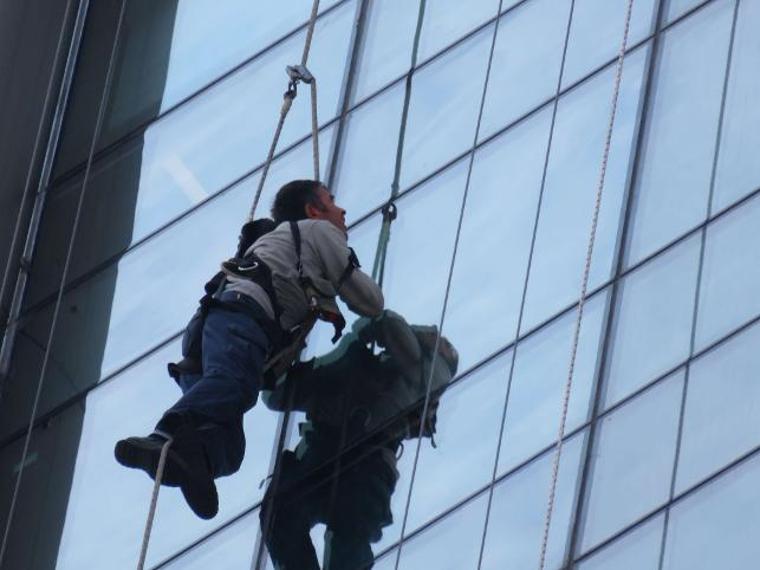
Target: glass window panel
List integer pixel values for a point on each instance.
(516, 524)
(230, 549)
(444, 106)
(495, 240)
(716, 527)
(169, 50)
(448, 20)
(738, 170)
(674, 179)
(103, 527)
(450, 544)
(539, 379)
(677, 8)
(639, 549)
(386, 51)
(116, 214)
(653, 320)
(571, 183)
(730, 271)
(368, 153)
(526, 61)
(632, 461)
(720, 421)
(596, 33)
(469, 419)
(421, 245)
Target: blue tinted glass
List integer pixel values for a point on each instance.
(469, 418)
(738, 171)
(596, 33)
(653, 320)
(526, 61)
(539, 379)
(229, 549)
(516, 524)
(674, 178)
(721, 408)
(448, 20)
(451, 544)
(368, 153)
(495, 241)
(633, 460)
(421, 245)
(571, 184)
(677, 8)
(714, 528)
(386, 51)
(117, 212)
(444, 106)
(636, 550)
(103, 527)
(730, 271)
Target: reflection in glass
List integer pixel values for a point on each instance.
(572, 180)
(386, 51)
(738, 170)
(448, 20)
(368, 153)
(103, 527)
(720, 421)
(444, 106)
(653, 320)
(730, 271)
(596, 33)
(677, 8)
(229, 549)
(516, 524)
(639, 549)
(495, 240)
(360, 407)
(526, 61)
(674, 179)
(632, 461)
(717, 526)
(538, 383)
(450, 544)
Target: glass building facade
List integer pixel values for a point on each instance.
(167, 124)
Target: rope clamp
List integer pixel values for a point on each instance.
(390, 211)
(298, 73)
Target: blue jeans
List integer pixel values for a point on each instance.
(235, 348)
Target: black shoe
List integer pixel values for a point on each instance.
(186, 467)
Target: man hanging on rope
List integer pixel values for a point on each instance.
(275, 289)
(360, 406)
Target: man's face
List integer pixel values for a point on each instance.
(327, 210)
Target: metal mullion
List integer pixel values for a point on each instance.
(612, 301)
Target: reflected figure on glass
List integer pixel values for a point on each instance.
(359, 406)
(250, 325)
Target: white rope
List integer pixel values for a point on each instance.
(584, 288)
(153, 503)
(287, 103)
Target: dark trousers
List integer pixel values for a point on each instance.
(235, 348)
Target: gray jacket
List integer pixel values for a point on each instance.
(324, 256)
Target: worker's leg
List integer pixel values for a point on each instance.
(347, 550)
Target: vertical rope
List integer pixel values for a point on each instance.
(64, 275)
(153, 503)
(314, 128)
(584, 289)
(287, 103)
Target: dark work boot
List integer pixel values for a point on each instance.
(186, 466)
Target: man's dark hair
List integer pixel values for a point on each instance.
(291, 200)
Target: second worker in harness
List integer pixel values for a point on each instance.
(273, 290)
